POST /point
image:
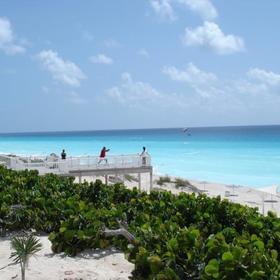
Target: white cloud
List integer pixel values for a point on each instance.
(259, 84)
(144, 53)
(192, 75)
(267, 77)
(211, 36)
(163, 8)
(101, 59)
(247, 87)
(64, 71)
(204, 8)
(202, 95)
(203, 83)
(8, 39)
(132, 92)
(141, 95)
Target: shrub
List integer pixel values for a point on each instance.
(186, 236)
(162, 180)
(181, 183)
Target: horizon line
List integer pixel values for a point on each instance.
(133, 129)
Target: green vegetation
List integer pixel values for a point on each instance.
(162, 180)
(181, 183)
(177, 237)
(24, 247)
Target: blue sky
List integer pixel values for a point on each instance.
(85, 65)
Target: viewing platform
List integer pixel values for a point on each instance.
(83, 165)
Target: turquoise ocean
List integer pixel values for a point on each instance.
(248, 156)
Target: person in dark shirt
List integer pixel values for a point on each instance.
(63, 154)
(103, 154)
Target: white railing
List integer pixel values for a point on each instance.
(5, 160)
(50, 164)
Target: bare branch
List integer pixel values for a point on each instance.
(123, 231)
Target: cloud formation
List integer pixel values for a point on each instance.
(210, 35)
(259, 83)
(192, 74)
(64, 71)
(202, 95)
(8, 40)
(143, 96)
(101, 59)
(204, 8)
(203, 83)
(165, 8)
(267, 77)
(132, 92)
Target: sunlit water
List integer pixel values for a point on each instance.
(233, 155)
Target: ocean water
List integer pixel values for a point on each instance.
(248, 156)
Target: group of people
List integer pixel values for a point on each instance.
(102, 156)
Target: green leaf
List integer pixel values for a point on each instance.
(257, 275)
(274, 254)
(68, 235)
(82, 205)
(212, 268)
(80, 234)
(172, 244)
(195, 233)
(62, 229)
(52, 236)
(155, 263)
(162, 204)
(227, 257)
(167, 274)
(259, 244)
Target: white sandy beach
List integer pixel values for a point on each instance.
(89, 265)
(265, 199)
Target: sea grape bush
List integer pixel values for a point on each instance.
(177, 237)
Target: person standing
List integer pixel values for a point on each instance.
(103, 155)
(63, 154)
(143, 156)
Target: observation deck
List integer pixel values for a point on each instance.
(83, 165)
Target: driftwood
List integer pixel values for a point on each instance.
(120, 231)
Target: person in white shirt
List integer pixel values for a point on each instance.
(143, 156)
